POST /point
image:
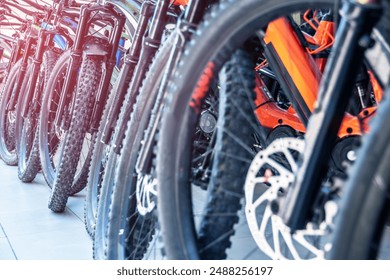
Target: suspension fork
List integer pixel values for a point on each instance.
(353, 38)
(130, 61)
(150, 45)
(16, 53)
(185, 28)
(31, 41)
(103, 91)
(74, 64)
(36, 64)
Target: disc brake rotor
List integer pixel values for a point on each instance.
(269, 178)
(146, 193)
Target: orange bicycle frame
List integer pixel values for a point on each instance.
(299, 73)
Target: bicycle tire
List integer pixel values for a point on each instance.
(97, 168)
(364, 206)
(51, 137)
(27, 143)
(224, 29)
(48, 136)
(87, 83)
(119, 202)
(98, 153)
(7, 130)
(225, 190)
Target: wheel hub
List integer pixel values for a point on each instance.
(208, 122)
(146, 194)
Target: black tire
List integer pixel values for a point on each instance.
(27, 129)
(87, 84)
(224, 29)
(117, 205)
(364, 207)
(8, 120)
(97, 168)
(231, 156)
(99, 153)
(51, 138)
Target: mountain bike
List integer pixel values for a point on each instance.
(361, 226)
(52, 40)
(71, 103)
(193, 235)
(22, 51)
(117, 210)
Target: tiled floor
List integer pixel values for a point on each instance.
(29, 230)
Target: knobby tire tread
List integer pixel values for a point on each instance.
(29, 165)
(87, 84)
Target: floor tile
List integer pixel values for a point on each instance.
(2, 233)
(71, 244)
(29, 230)
(6, 252)
(37, 220)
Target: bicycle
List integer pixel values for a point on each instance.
(21, 53)
(361, 224)
(72, 101)
(186, 240)
(33, 86)
(117, 213)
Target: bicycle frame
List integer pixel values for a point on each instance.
(30, 42)
(299, 74)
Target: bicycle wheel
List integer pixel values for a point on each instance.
(121, 231)
(209, 50)
(51, 136)
(97, 168)
(98, 165)
(99, 153)
(74, 138)
(27, 128)
(8, 119)
(361, 226)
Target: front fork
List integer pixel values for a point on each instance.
(103, 91)
(36, 64)
(106, 13)
(17, 49)
(353, 38)
(185, 28)
(31, 41)
(150, 45)
(130, 61)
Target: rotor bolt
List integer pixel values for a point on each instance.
(281, 192)
(366, 42)
(274, 207)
